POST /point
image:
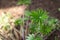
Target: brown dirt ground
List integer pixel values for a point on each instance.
(10, 6)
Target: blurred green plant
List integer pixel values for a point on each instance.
(41, 22)
(37, 18)
(32, 37)
(19, 21)
(24, 2)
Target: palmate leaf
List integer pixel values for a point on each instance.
(37, 18)
(47, 27)
(52, 21)
(33, 28)
(33, 37)
(18, 21)
(41, 23)
(30, 37)
(38, 15)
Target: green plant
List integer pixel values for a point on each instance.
(30, 37)
(18, 21)
(38, 18)
(33, 37)
(26, 2)
(41, 22)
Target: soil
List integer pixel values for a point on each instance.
(7, 3)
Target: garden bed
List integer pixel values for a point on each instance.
(51, 6)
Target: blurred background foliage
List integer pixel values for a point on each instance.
(24, 2)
